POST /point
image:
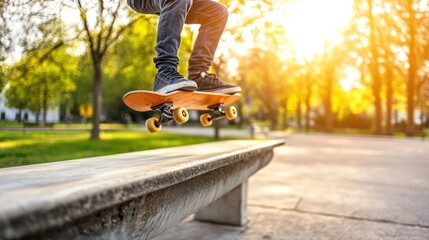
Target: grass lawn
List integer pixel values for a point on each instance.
(22, 148)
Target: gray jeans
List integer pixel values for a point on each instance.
(173, 15)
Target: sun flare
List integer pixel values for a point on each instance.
(307, 25)
(312, 23)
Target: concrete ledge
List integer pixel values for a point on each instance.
(125, 196)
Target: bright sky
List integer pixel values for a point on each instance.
(312, 22)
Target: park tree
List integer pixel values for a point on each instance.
(129, 66)
(23, 25)
(17, 97)
(37, 85)
(308, 73)
(367, 32)
(393, 70)
(411, 23)
(409, 15)
(367, 40)
(257, 43)
(103, 23)
(43, 62)
(374, 65)
(264, 82)
(20, 22)
(332, 58)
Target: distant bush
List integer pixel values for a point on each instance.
(356, 121)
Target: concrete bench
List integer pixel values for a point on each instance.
(130, 196)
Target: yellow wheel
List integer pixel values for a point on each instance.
(180, 115)
(152, 125)
(231, 112)
(206, 120)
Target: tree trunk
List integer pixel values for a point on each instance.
(216, 127)
(45, 105)
(329, 125)
(240, 110)
(389, 98)
(273, 117)
(329, 119)
(299, 109)
(307, 114)
(19, 115)
(377, 104)
(308, 103)
(411, 70)
(285, 113)
(375, 72)
(96, 101)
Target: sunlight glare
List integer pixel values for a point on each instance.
(350, 80)
(311, 23)
(232, 66)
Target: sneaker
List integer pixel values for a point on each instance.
(208, 82)
(169, 80)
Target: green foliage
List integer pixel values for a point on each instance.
(112, 19)
(19, 23)
(39, 82)
(3, 78)
(129, 66)
(83, 81)
(260, 72)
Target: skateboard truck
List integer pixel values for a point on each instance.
(219, 111)
(180, 115)
(166, 113)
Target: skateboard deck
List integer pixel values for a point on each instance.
(174, 105)
(142, 100)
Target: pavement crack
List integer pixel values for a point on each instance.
(333, 215)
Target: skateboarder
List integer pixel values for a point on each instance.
(173, 15)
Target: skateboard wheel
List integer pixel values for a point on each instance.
(206, 120)
(231, 113)
(180, 115)
(152, 125)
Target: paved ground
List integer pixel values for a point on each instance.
(333, 187)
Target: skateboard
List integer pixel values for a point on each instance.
(174, 106)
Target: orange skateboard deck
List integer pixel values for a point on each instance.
(142, 101)
(174, 105)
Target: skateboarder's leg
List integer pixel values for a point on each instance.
(172, 18)
(213, 17)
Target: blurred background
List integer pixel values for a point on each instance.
(307, 65)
